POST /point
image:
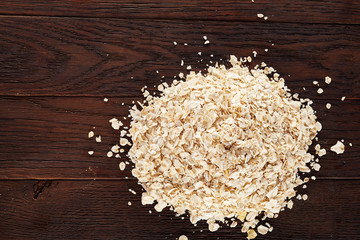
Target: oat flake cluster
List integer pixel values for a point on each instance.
(229, 144)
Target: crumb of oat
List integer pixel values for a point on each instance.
(260, 15)
(116, 124)
(343, 98)
(90, 152)
(327, 80)
(339, 148)
(122, 166)
(207, 42)
(109, 154)
(320, 91)
(90, 134)
(183, 237)
(98, 138)
(316, 167)
(328, 105)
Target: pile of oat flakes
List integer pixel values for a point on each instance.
(226, 146)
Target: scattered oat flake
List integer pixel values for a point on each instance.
(109, 154)
(90, 152)
(106, 100)
(322, 152)
(320, 91)
(255, 53)
(266, 50)
(123, 133)
(343, 98)
(199, 53)
(91, 134)
(205, 37)
(265, 18)
(327, 80)
(339, 148)
(305, 197)
(188, 67)
(175, 43)
(316, 83)
(124, 141)
(316, 167)
(207, 42)
(115, 124)
(129, 203)
(182, 63)
(350, 144)
(98, 139)
(132, 191)
(260, 15)
(183, 237)
(122, 166)
(115, 148)
(328, 105)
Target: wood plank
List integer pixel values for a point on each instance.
(46, 137)
(99, 210)
(311, 11)
(97, 57)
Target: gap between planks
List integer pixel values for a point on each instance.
(269, 21)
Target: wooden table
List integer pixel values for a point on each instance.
(60, 58)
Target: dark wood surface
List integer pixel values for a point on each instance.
(99, 210)
(59, 59)
(98, 57)
(309, 11)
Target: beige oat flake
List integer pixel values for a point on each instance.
(339, 148)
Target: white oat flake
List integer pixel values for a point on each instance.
(339, 148)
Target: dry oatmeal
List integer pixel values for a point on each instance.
(228, 144)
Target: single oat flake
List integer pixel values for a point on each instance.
(339, 148)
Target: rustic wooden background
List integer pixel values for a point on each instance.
(60, 58)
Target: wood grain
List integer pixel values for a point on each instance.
(99, 210)
(46, 137)
(97, 57)
(309, 11)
